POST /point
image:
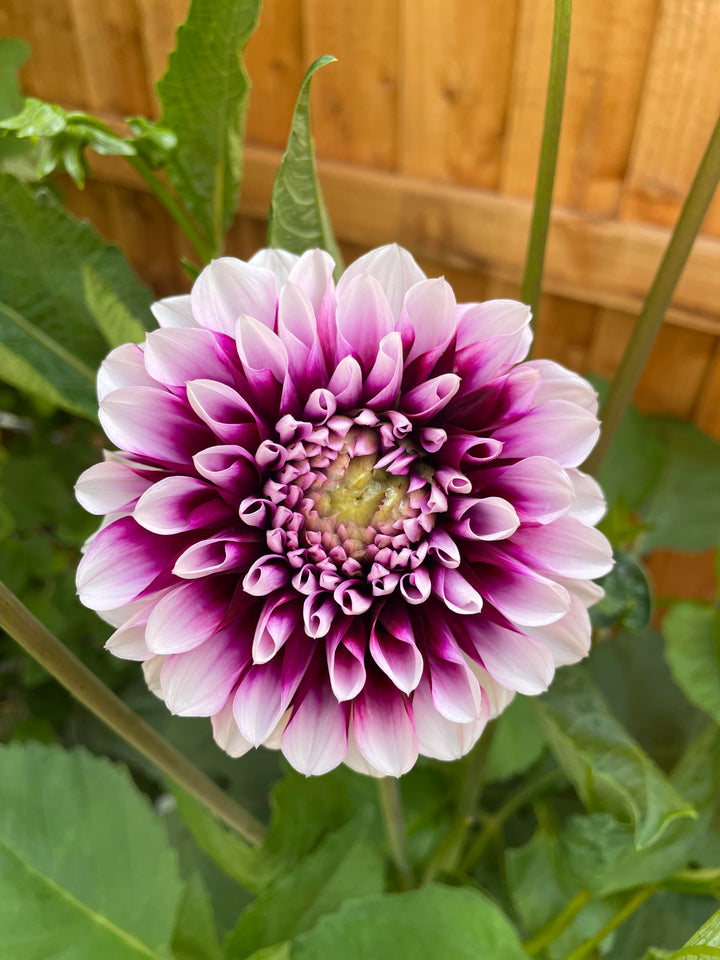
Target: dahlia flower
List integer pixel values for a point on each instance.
(346, 521)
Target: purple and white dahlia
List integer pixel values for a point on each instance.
(346, 521)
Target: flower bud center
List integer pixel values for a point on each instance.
(363, 495)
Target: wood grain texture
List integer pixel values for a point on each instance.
(454, 93)
(679, 108)
(355, 101)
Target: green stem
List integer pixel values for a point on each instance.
(204, 249)
(394, 823)
(532, 279)
(551, 931)
(449, 851)
(65, 667)
(649, 322)
(630, 906)
(495, 821)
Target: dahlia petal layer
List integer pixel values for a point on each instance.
(344, 522)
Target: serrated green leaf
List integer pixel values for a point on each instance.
(609, 769)
(692, 651)
(45, 322)
(627, 601)
(435, 923)
(204, 96)
(298, 219)
(13, 54)
(345, 865)
(85, 868)
(195, 937)
(517, 743)
(112, 317)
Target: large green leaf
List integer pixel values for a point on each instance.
(345, 865)
(435, 923)
(627, 601)
(195, 936)
(204, 96)
(692, 650)
(610, 770)
(112, 317)
(13, 54)
(85, 868)
(45, 325)
(298, 219)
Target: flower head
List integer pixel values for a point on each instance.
(346, 521)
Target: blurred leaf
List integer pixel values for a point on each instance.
(541, 887)
(703, 944)
(627, 601)
(85, 868)
(665, 920)
(298, 219)
(345, 865)
(45, 323)
(692, 650)
(517, 743)
(609, 769)
(112, 317)
(684, 510)
(204, 96)
(195, 937)
(435, 923)
(13, 54)
(151, 141)
(279, 951)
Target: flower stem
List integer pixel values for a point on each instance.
(552, 930)
(628, 908)
(532, 279)
(494, 822)
(65, 667)
(649, 322)
(394, 823)
(203, 249)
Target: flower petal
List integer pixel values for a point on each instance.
(392, 266)
(227, 289)
(383, 728)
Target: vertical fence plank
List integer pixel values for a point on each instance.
(355, 101)
(159, 20)
(680, 105)
(276, 63)
(608, 54)
(455, 70)
(111, 56)
(48, 26)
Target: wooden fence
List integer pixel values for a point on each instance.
(428, 132)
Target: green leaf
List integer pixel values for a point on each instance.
(684, 511)
(44, 321)
(704, 943)
(435, 923)
(345, 865)
(665, 920)
(692, 651)
(204, 96)
(85, 868)
(251, 867)
(298, 219)
(279, 951)
(195, 937)
(610, 770)
(518, 742)
(627, 601)
(13, 54)
(112, 317)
